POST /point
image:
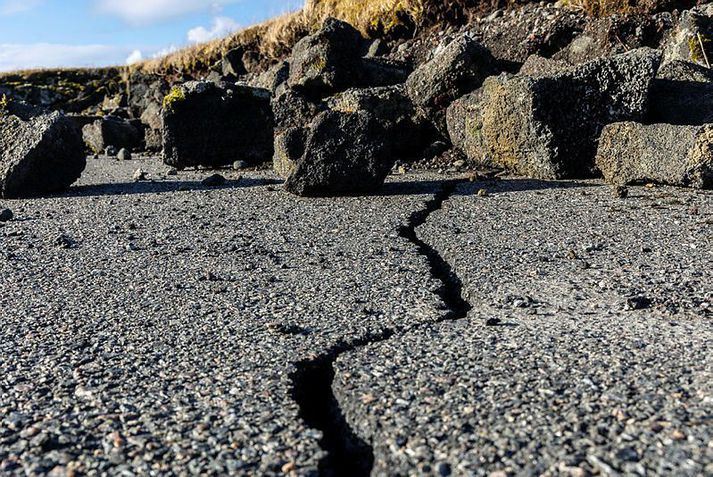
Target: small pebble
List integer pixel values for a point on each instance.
(139, 175)
(124, 155)
(482, 193)
(240, 165)
(6, 215)
(110, 151)
(213, 181)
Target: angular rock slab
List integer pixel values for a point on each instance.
(40, 152)
(675, 155)
(327, 61)
(111, 131)
(547, 126)
(209, 124)
(344, 153)
(456, 70)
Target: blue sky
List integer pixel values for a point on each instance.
(66, 33)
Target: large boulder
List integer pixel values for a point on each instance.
(406, 130)
(682, 93)
(458, 69)
(547, 127)
(216, 124)
(40, 152)
(668, 154)
(337, 161)
(328, 61)
(111, 131)
(152, 122)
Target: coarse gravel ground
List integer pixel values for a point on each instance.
(152, 327)
(601, 363)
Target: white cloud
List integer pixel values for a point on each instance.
(134, 57)
(51, 55)
(221, 27)
(148, 11)
(11, 7)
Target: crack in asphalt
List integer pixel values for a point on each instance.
(347, 454)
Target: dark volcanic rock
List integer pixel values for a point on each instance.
(547, 127)
(111, 131)
(291, 108)
(406, 130)
(289, 148)
(682, 93)
(675, 155)
(328, 61)
(383, 72)
(232, 63)
(40, 152)
(151, 119)
(209, 124)
(337, 162)
(458, 69)
(272, 78)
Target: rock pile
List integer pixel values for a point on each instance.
(341, 111)
(40, 152)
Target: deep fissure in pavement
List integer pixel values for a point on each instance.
(346, 453)
(451, 289)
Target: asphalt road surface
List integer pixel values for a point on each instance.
(165, 327)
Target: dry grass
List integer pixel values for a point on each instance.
(374, 18)
(274, 38)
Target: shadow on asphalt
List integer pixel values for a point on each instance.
(159, 187)
(467, 188)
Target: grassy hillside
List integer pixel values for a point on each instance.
(375, 18)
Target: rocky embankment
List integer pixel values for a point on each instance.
(542, 92)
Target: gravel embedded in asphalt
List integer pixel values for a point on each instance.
(600, 362)
(151, 327)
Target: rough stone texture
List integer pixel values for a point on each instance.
(289, 148)
(145, 89)
(272, 78)
(458, 69)
(514, 35)
(328, 61)
(682, 93)
(682, 42)
(40, 152)
(537, 66)
(163, 340)
(111, 131)
(293, 109)
(574, 382)
(676, 155)
(153, 123)
(211, 124)
(463, 121)
(405, 128)
(335, 163)
(232, 63)
(383, 72)
(547, 127)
